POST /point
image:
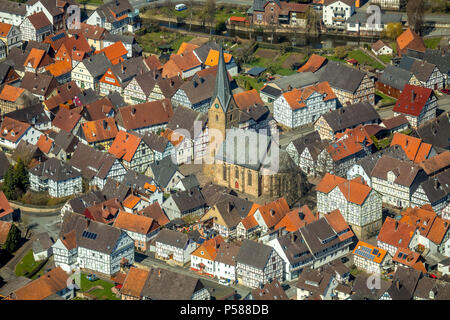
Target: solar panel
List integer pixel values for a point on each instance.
(58, 36)
(89, 235)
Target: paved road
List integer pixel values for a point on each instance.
(150, 261)
(38, 224)
(142, 3)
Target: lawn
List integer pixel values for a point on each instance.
(253, 82)
(364, 59)
(266, 57)
(386, 58)
(94, 2)
(384, 98)
(151, 41)
(101, 294)
(27, 265)
(222, 13)
(432, 43)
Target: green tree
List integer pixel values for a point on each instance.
(9, 186)
(12, 240)
(16, 180)
(340, 52)
(393, 30)
(21, 175)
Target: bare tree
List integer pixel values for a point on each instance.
(210, 6)
(191, 4)
(415, 12)
(170, 13)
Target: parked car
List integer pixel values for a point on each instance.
(224, 282)
(446, 91)
(180, 7)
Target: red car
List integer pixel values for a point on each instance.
(432, 276)
(446, 91)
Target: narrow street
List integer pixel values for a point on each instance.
(211, 283)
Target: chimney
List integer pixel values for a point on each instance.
(272, 212)
(413, 96)
(397, 284)
(436, 184)
(122, 68)
(293, 237)
(133, 111)
(396, 225)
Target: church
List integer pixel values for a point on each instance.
(244, 160)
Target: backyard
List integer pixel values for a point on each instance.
(27, 266)
(362, 58)
(102, 288)
(432, 43)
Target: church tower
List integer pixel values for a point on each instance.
(222, 112)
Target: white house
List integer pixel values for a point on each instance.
(140, 228)
(88, 72)
(36, 27)
(394, 235)
(418, 104)
(304, 106)
(174, 246)
(92, 245)
(258, 264)
(12, 12)
(42, 246)
(13, 131)
(336, 12)
(371, 259)
(56, 177)
(381, 48)
(360, 205)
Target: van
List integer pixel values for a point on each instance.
(180, 7)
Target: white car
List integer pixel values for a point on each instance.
(224, 282)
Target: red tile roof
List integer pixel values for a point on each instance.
(378, 258)
(248, 99)
(274, 211)
(186, 47)
(124, 146)
(44, 143)
(410, 40)
(4, 230)
(48, 284)
(296, 219)
(66, 119)
(329, 182)
(133, 222)
(395, 233)
(296, 98)
(415, 149)
(12, 129)
(10, 93)
(208, 249)
(338, 223)
(313, 64)
(100, 130)
(412, 100)
(134, 282)
(114, 52)
(5, 208)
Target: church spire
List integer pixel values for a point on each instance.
(222, 89)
